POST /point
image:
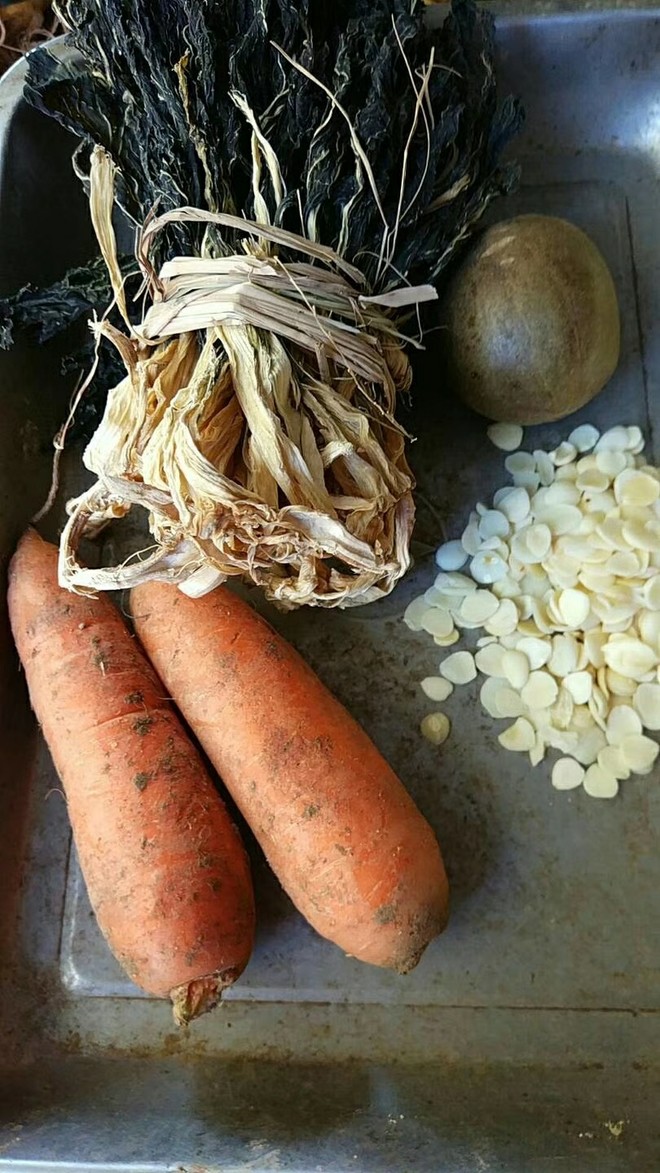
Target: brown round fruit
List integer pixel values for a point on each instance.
(533, 321)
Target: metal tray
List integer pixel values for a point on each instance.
(528, 1038)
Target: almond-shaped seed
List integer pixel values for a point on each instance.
(583, 662)
(435, 727)
(606, 611)
(448, 600)
(415, 612)
(647, 704)
(498, 544)
(630, 657)
(611, 462)
(584, 437)
(639, 752)
(563, 740)
(436, 598)
(488, 567)
(451, 555)
(612, 533)
(520, 462)
(582, 719)
(564, 655)
(574, 606)
(514, 504)
(599, 503)
(589, 745)
(539, 540)
(560, 519)
(592, 480)
(627, 564)
(598, 783)
(586, 463)
(510, 642)
(528, 629)
(519, 737)
(603, 682)
(540, 691)
(611, 760)
(580, 685)
(506, 437)
(541, 618)
(505, 619)
(437, 622)
(567, 472)
(494, 524)
(645, 536)
(470, 539)
(488, 696)
(620, 626)
(563, 709)
(562, 571)
(651, 593)
(636, 513)
(622, 722)
(648, 623)
(454, 583)
(619, 685)
(559, 493)
(564, 454)
(533, 584)
(567, 774)
(508, 701)
(544, 466)
(459, 668)
(500, 494)
(554, 614)
(537, 651)
(597, 578)
(527, 480)
(515, 667)
(489, 660)
(615, 438)
(521, 549)
(436, 688)
(632, 487)
(479, 606)
(506, 588)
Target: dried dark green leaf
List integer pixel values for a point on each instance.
(153, 84)
(43, 314)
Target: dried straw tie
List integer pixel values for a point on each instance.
(255, 422)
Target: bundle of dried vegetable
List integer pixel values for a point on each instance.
(299, 176)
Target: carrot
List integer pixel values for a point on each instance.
(165, 869)
(337, 826)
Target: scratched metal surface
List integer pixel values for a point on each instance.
(530, 1030)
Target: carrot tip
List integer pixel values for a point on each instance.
(195, 998)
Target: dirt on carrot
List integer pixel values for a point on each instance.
(337, 826)
(133, 780)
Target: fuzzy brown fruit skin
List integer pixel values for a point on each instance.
(534, 330)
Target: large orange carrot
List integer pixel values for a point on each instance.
(338, 828)
(166, 872)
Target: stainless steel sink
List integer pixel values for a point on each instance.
(529, 1037)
